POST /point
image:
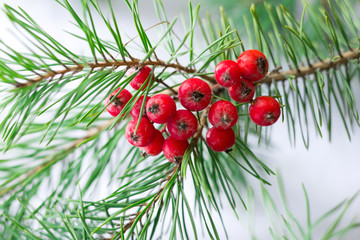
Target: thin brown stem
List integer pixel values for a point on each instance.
(51, 74)
(158, 195)
(272, 76)
(33, 172)
(308, 70)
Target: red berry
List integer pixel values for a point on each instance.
(253, 65)
(135, 111)
(144, 135)
(183, 125)
(115, 107)
(264, 111)
(227, 73)
(223, 114)
(160, 108)
(243, 91)
(155, 148)
(194, 94)
(174, 149)
(220, 140)
(140, 78)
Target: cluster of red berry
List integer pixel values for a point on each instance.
(195, 95)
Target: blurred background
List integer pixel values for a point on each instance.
(329, 170)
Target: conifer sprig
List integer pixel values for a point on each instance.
(37, 84)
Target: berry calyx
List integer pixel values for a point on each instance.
(243, 91)
(140, 78)
(115, 107)
(227, 73)
(194, 94)
(175, 149)
(155, 148)
(160, 108)
(144, 135)
(265, 111)
(183, 125)
(135, 111)
(253, 65)
(220, 140)
(223, 114)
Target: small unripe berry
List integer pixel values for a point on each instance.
(135, 111)
(243, 91)
(174, 149)
(144, 135)
(194, 94)
(253, 65)
(140, 78)
(115, 107)
(265, 111)
(160, 108)
(227, 73)
(220, 140)
(183, 125)
(155, 148)
(223, 114)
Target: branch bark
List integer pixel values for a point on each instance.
(272, 76)
(308, 70)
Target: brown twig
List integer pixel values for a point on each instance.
(158, 195)
(308, 70)
(115, 64)
(272, 76)
(90, 134)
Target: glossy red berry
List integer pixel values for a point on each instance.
(227, 73)
(144, 135)
(160, 108)
(243, 91)
(135, 111)
(220, 140)
(194, 94)
(140, 78)
(115, 107)
(223, 114)
(175, 149)
(253, 65)
(183, 125)
(264, 111)
(155, 148)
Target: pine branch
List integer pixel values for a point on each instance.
(115, 64)
(211, 172)
(26, 177)
(273, 75)
(156, 199)
(327, 64)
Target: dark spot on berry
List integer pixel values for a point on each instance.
(182, 125)
(226, 76)
(134, 137)
(154, 108)
(116, 101)
(197, 96)
(225, 119)
(269, 116)
(144, 154)
(261, 63)
(245, 91)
